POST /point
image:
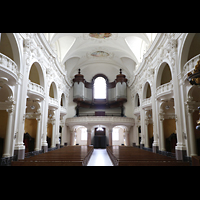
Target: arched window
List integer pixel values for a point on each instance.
(100, 88)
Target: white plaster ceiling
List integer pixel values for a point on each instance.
(125, 50)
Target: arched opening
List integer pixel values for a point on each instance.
(5, 46)
(120, 136)
(191, 47)
(30, 126)
(36, 74)
(147, 91)
(100, 88)
(9, 47)
(5, 93)
(194, 94)
(117, 136)
(62, 100)
(164, 75)
(30, 134)
(99, 139)
(169, 126)
(53, 90)
(194, 47)
(3, 128)
(49, 134)
(81, 136)
(137, 100)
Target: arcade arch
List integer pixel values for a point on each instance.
(36, 74)
(53, 91)
(146, 91)
(164, 74)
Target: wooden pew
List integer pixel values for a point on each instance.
(132, 156)
(66, 156)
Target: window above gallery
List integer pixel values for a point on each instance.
(100, 88)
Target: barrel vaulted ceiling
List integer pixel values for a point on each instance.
(103, 51)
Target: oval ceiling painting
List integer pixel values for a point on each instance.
(100, 54)
(100, 35)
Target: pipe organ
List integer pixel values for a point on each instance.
(83, 95)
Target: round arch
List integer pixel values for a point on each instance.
(164, 74)
(119, 135)
(137, 100)
(36, 74)
(53, 91)
(10, 47)
(194, 92)
(12, 50)
(146, 90)
(185, 53)
(5, 92)
(63, 100)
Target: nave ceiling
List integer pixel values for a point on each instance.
(100, 52)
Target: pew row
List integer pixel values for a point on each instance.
(132, 156)
(66, 156)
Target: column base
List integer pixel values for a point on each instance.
(180, 154)
(20, 153)
(45, 148)
(155, 149)
(6, 155)
(65, 144)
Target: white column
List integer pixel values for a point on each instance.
(162, 133)
(110, 137)
(192, 141)
(38, 135)
(156, 128)
(146, 133)
(7, 143)
(75, 137)
(53, 134)
(126, 137)
(155, 136)
(44, 136)
(89, 136)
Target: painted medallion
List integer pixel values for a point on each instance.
(100, 35)
(100, 54)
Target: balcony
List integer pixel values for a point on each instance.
(100, 120)
(136, 110)
(53, 103)
(165, 90)
(8, 69)
(146, 103)
(63, 111)
(189, 66)
(35, 91)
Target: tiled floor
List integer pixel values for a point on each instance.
(100, 157)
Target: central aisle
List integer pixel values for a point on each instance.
(100, 157)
